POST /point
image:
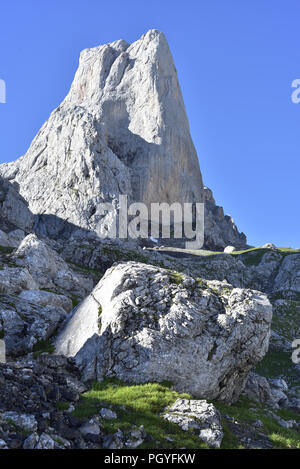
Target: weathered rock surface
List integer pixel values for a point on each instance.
(27, 422)
(15, 280)
(29, 391)
(14, 211)
(287, 281)
(202, 336)
(122, 129)
(258, 388)
(23, 323)
(48, 269)
(11, 239)
(29, 315)
(30, 386)
(198, 416)
(267, 270)
(45, 298)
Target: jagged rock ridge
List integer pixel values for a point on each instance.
(122, 129)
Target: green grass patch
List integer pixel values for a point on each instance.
(277, 363)
(286, 319)
(49, 290)
(6, 249)
(118, 255)
(143, 404)
(246, 411)
(61, 405)
(75, 301)
(176, 277)
(86, 270)
(43, 346)
(289, 250)
(254, 257)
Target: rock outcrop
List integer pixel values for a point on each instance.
(122, 129)
(23, 324)
(16, 220)
(154, 325)
(197, 416)
(48, 269)
(30, 314)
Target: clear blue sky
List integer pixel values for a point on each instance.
(236, 61)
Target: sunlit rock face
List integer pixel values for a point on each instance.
(122, 129)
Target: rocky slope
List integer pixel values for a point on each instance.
(55, 416)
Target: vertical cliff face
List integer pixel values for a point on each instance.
(122, 129)
(135, 92)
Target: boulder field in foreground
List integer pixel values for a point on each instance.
(143, 323)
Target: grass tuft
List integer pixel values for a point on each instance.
(138, 404)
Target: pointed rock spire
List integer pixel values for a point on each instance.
(122, 129)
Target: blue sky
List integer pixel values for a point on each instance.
(236, 61)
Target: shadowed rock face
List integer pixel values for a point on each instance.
(122, 129)
(14, 212)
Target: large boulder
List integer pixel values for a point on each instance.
(229, 249)
(145, 323)
(48, 269)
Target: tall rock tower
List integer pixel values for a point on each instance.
(122, 129)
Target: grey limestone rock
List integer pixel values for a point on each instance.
(199, 416)
(14, 211)
(229, 249)
(23, 421)
(48, 269)
(45, 298)
(154, 325)
(122, 129)
(23, 323)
